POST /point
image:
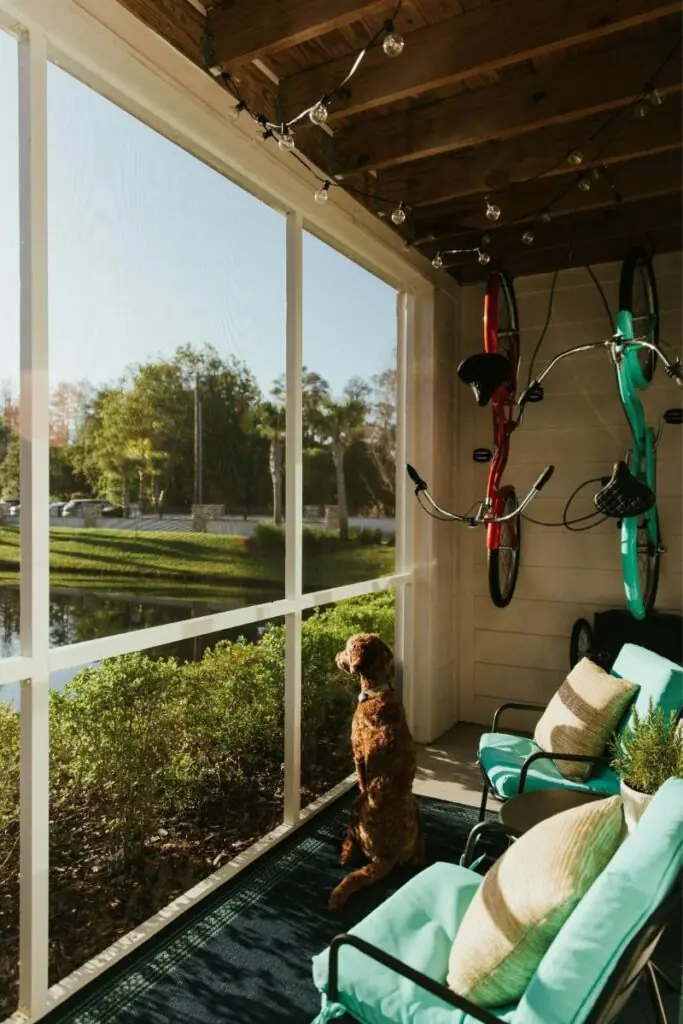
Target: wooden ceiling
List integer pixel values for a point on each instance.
(487, 99)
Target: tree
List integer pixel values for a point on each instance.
(381, 428)
(271, 425)
(338, 425)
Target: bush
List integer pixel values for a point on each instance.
(266, 539)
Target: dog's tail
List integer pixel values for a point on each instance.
(367, 875)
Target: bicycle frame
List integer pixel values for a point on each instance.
(504, 423)
(642, 459)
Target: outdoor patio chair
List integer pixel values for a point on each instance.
(391, 968)
(513, 764)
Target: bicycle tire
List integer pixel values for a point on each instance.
(580, 642)
(637, 269)
(502, 336)
(502, 595)
(651, 579)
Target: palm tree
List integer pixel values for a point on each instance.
(271, 425)
(338, 424)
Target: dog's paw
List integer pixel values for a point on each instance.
(337, 900)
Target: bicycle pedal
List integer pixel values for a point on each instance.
(661, 550)
(482, 454)
(673, 416)
(535, 394)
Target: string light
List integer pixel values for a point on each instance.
(575, 157)
(641, 110)
(235, 111)
(528, 237)
(493, 212)
(484, 258)
(318, 113)
(486, 239)
(399, 215)
(655, 97)
(437, 262)
(322, 195)
(584, 185)
(544, 217)
(393, 44)
(286, 140)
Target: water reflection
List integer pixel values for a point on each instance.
(77, 615)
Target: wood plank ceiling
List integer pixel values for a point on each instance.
(487, 99)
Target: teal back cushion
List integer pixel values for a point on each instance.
(657, 677)
(572, 974)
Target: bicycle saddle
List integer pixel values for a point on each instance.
(623, 495)
(485, 372)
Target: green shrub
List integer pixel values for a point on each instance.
(649, 751)
(266, 539)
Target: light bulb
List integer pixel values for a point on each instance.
(318, 113)
(528, 237)
(492, 211)
(484, 258)
(322, 195)
(584, 185)
(393, 44)
(575, 157)
(437, 262)
(399, 215)
(641, 110)
(235, 111)
(486, 239)
(596, 172)
(286, 141)
(656, 97)
(545, 217)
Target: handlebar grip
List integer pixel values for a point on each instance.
(543, 478)
(416, 478)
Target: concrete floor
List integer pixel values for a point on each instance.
(447, 768)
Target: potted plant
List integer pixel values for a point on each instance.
(647, 753)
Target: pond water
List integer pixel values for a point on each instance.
(77, 615)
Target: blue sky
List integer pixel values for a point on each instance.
(149, 249)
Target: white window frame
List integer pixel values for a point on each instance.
(111, 51)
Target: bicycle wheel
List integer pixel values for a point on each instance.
(580, 642)
(648, 564)
(501, 323)
(638, 295)
(503, 561)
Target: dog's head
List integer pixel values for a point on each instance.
(367, 655)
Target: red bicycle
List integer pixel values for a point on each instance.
(494, 380)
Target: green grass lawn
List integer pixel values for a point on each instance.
(206, 563)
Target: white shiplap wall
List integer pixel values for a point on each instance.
(522, 651)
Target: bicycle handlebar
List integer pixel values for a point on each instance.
(482, 516)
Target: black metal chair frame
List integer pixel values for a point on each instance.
(634, 961)
(536, 756)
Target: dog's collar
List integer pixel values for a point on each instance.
(367, 694)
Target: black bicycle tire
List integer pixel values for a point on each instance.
(635, 258)
(500, 599)
(579, 627)
(506, 293)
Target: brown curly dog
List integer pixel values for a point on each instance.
(384, 824)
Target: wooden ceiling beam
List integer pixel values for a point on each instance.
(637, 220)
(522, 264)
(639, 179)
(477, 42)
(242, 30)
(589, 83)
(176, 21)
(496, 165)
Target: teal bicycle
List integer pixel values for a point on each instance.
(630, 494)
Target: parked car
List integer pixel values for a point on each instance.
(77, 506)
(56, 508)
(112, 511)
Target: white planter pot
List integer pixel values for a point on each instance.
(634, 804)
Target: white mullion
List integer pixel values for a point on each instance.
(293, 519)
(13, 670)
(405, 441)
(324, 597)
(400, 488)
(35, 538)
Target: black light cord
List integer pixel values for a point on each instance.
(568, 523)
(546, 325)
(602, 296)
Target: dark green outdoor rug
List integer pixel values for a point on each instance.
(244, 956)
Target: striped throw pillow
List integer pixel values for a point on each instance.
(525, 899)
(582, 716)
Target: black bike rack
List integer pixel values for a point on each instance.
(535, 393)
(482, 454)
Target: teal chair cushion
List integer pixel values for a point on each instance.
(501, 757)
(658, 678)
(571, 975)
(417, 925)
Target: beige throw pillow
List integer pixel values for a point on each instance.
(582, 716)
(525, 899)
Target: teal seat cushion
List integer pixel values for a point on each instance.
(573, 972)
(416, 925)
(501, 757)
(658, 678)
